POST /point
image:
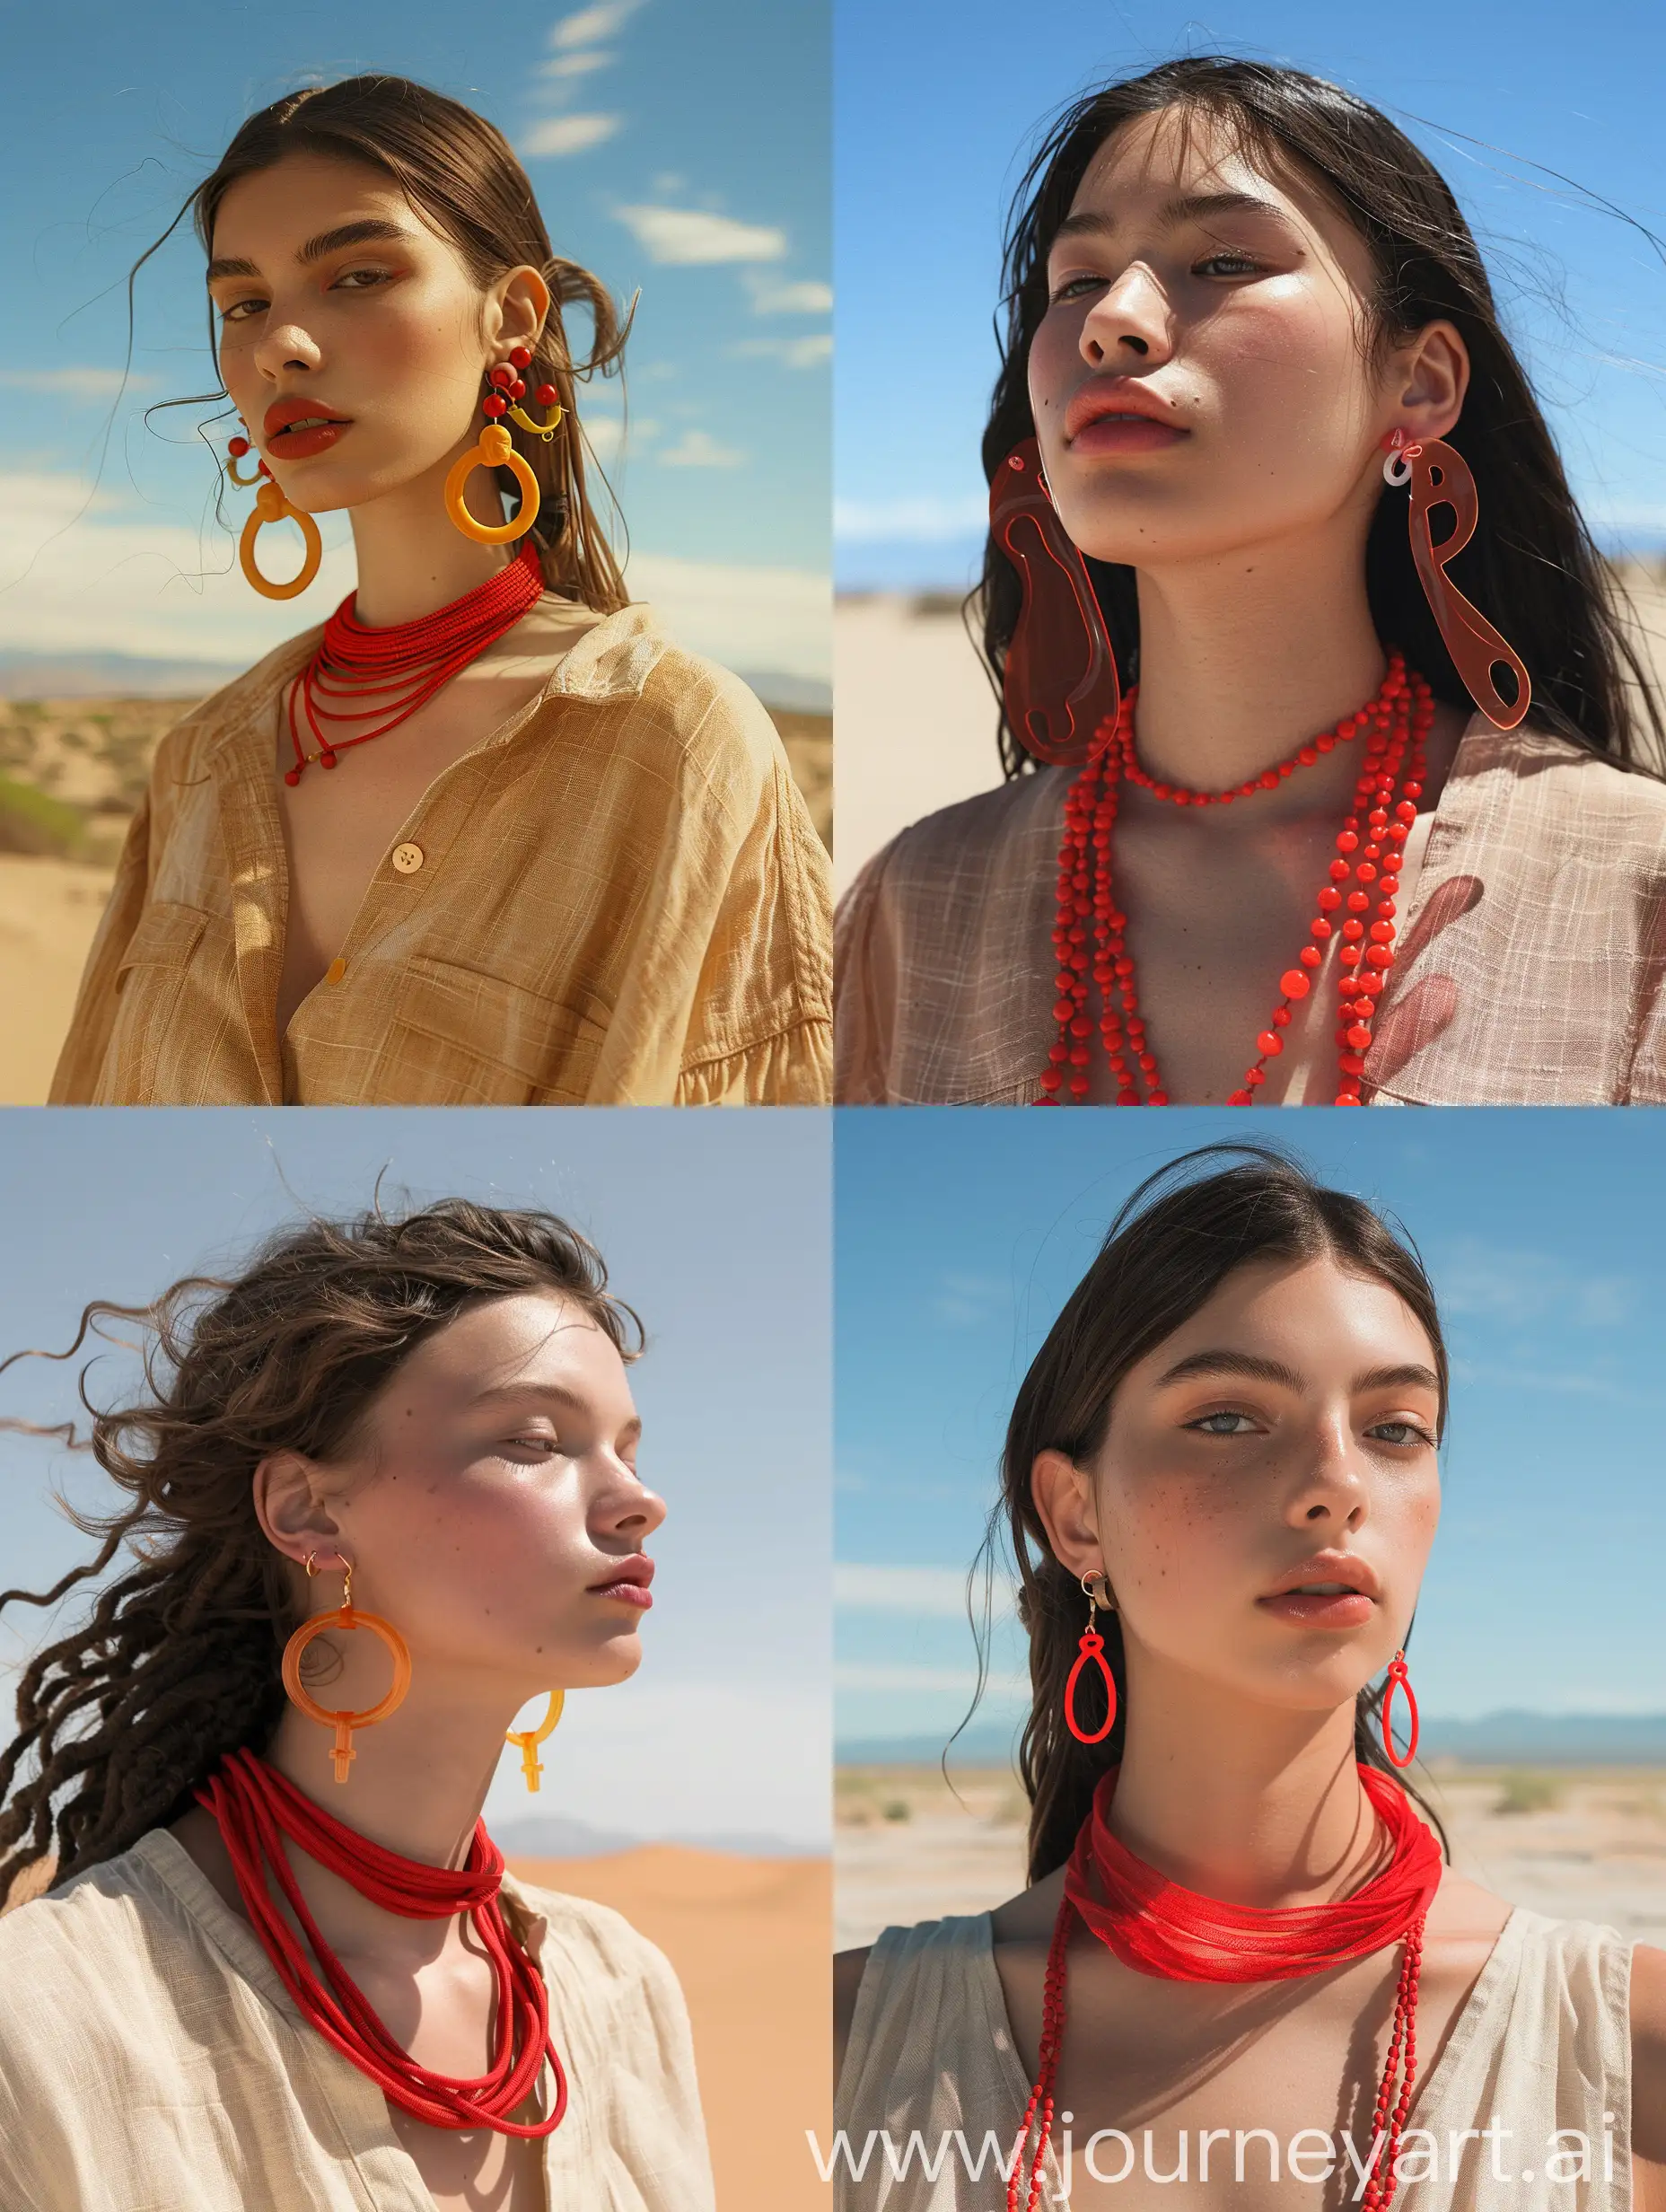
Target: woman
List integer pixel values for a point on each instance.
(558, 860)
(429, 1418)
(1236, 296)
(1228, 1441)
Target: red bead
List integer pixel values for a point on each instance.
(1311, 956)
(1380, 956)
(517, 390)
(1269, 1042)
(1064, 1009)
(327, 759)
(1381, 932)
(547, 395)
(502, 378)
(292, 775)
(1330, 901)
(1241, 1098)
(1340, 871)
(1256, 1075)
(495, 406)
(265, 471)
(521, 356)
(1158, 1098)
(1347, 842)
(1359, 1036)
(1353, 930)
(1281, 1017)
(238, 447)
(1357, 903)
(1051, 1079)
(1293, 984)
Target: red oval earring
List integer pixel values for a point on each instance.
(1060, 688)
(1399, 1680)
(1091, 1647)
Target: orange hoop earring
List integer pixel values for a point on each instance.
(495, 449)
(345, 1721)
(271, 506)
(1091, 1647)
(527, 1739)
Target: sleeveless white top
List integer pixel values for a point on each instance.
(1542, 2044)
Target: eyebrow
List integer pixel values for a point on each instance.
(371, 227)
(1254, 1369)
(1189, 207)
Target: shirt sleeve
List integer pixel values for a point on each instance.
(864, 989)
(76, 1078)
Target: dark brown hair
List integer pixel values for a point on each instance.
(458, 169)
(1167, 1252)
(180, 1660)
(1532, 565)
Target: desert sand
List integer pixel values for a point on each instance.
(1577, 1843)
(916, 716)
(748, 1939)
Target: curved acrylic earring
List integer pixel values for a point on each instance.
(1060, 686)
(345, 1721)
(495, 449)
(1440, 476)
(527, 1740)
(271, 506)
(1399, 1679)
(1091, 1647)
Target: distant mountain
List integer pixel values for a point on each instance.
(1498, 1739)
(553, 1836)
(109, 676)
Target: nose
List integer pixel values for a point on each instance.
(286, 345)
(1129, 322)
(1332, 1492)
(632, 1511)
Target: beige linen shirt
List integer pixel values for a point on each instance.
(152, 2060)
(1541, 896)
(616, 897)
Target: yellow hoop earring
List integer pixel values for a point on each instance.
(494, 449)
(528, 1739)
(344, 1721)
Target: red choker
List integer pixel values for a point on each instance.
(1362, 876)
(1158, 1927)
(252, 1802)
(409, 660)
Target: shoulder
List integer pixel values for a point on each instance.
(961, 843)
(596, 1948)
(82, 1967)
(204, 726)
(688, 703)
(1570, 779)
(848, 1968)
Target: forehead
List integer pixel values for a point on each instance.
(533, 1338)
(303, 193)
(1317, 1305)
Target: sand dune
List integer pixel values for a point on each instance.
(748, 1939)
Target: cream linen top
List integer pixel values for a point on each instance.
(1541, 895)
(151, 2060)
(616, 897)
(1543, 2043)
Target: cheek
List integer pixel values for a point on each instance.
(1287, 368)
(1056, 364)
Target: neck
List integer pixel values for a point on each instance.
(1244, 656)
(1251, 1806)
(412, 558)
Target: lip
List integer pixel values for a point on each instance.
(1347, 1608)
(627, 1584)
(284, 444)
(1092, 423)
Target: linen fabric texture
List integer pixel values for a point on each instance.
(151, 2060)
(621, 899)
(1553, 858)
(1542, 2043)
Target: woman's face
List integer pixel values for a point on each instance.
(1230, 306)
(493, 1502)
(333, 292)
(1293, 1416)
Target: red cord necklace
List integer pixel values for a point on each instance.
(410, 660)
(1368, 853)
(1158, 1927)
(252, 1802)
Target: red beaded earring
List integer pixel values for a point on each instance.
(493, 449)
(1440, 476)
(1091, 1647)
(1399, 1680)
(1059, 685)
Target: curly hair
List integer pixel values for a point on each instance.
(180, 1660)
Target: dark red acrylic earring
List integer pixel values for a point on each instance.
(1091, 1647)
(1060, 685)
(1399, 1680)
(1440, 476)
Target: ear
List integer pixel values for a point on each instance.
(1430, 378)
(1063, 1496)
(517, 308)
(290, 1508)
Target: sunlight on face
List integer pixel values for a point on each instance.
(1232, 301)
(382, 329)
(496, 1494)
(1294, 1413)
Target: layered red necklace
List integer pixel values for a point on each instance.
(1158, 1927)
(1355, 904)
(407, 662)
(256, 1806)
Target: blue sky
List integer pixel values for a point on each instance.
(937, 102)
(677, 146)
(716, 1227)
(959, 1234)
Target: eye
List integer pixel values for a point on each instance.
(1207, 1424)
(1243, 265)
(1072, 287)
(1400, 1432)
(240, 311)
(361, 279)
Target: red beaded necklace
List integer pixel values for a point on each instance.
(411, 660)
(1398, 721)
(1159, 1928)
(252, 1802)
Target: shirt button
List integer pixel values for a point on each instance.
(337, 969)
(408, 858)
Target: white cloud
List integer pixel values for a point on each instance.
(589, 26)
(690, 236)
(608, 437)
(697, 449)
(808, 296)
(925, 519)
(72, 384)
(567, 66)
(792, 353)
(776, 619)
(937, 1592)
(567, 133)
